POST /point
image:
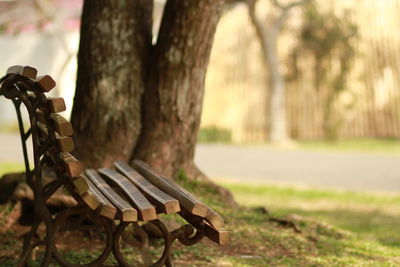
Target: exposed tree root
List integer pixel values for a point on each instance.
(286, 223)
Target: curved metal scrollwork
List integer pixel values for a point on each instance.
(60, 220)
(188, 235)
(165, 257)
(15, 87)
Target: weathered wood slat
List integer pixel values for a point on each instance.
(53, 104)
(163, 202)
(214, 219)
(46, 83)
(81, 185)
(64, 143)
(94, 198)
(72, 165)
(56, 104)
(26, 71)
(61, 125)
(186, 199)
(90, 199)
(127, 213)
(221, 236)
(146, 211)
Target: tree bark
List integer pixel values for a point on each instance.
(173, 100)
(268, 38)
(139, 101)
(113, 53)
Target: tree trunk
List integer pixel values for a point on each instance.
(114, 47)
(173, 101)
(138, 101)
(278, 129)
(268, 38)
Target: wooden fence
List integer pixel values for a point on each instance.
(236, 97)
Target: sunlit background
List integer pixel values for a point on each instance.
(340, 60)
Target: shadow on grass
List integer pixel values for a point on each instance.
(373, 225)
(258, 241)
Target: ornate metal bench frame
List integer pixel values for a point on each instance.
(21, 85)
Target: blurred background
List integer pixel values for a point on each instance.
(330, 73)
(301, 122)
(340, 63)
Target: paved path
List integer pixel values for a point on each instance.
(354, 171)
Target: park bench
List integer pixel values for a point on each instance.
(112, 197)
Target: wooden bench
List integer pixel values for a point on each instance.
(115, 196)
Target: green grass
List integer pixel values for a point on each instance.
(370, 221)
(369, 145)
(334, 228)
(214, 135)
(6, 167)
(386, 146)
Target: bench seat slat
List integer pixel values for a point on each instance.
(187, 200)
(214, 219)
(163, 201)
(221, 237)
(128, 214)
(146, 211)
(94, 198)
